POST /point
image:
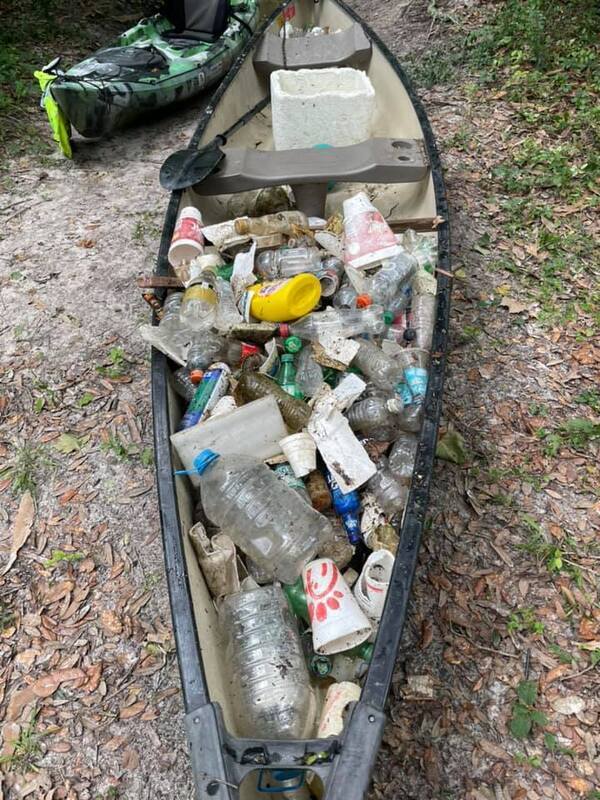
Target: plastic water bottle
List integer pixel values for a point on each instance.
(389, 492)
(211, 389)
(344, 322)
(380, 368)
(182, 383)
(172, 329)
(386, 283)
(287, 262)
(286, 474)
(267, 520)
(345, 297)
(309, 374)
(208, 347)
(347, 506)
(200, 301)
(375, 416)
(423, 318)
(269, 682)
(402, 456)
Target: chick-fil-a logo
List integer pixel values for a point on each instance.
(321, 590)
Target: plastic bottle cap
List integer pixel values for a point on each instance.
(388, 317)
(196, 375)
(395, 405)
(363, 301)
(293, 344)
(284, 329)
(204, 459)
(225, 272)
(409, 334)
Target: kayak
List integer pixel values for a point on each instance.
(399, 168)
(147, 68)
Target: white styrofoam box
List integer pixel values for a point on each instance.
(332, 106)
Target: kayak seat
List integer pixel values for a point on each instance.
(309, 170)
(195, 21)
(347, 48)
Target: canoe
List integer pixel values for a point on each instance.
(225, 765)
(147, 68)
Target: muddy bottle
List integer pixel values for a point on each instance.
(380, 368)
(402, 456)
(267, 520)
(375, 416)
(283, 222)
(343, 322)
(268, 678)
(287, 262)
(388, 491)
(253, 385)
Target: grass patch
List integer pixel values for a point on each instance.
(24, 470)
(577, 434)
(115, 365)
(60, 557)
(27, 749)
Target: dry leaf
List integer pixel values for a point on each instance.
(18, 701)
(513, 306)
(131, 760)
(114, 743)
(111, 622)
(555, 674)
(94, 674)
(571, 704)
(21, 529)
(48, 684)
(588, 629)
(580, 785)
(132, 711)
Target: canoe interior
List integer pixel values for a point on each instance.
(396, 117)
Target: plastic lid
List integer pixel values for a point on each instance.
(388, 317)
(363, 301)
(293, 344)
(196, 375)
(284, 329)
(409, 334)
(204, 459)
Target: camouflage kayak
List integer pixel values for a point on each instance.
(142, 71)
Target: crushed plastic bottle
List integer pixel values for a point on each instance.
(343, 322)
(208, 347)
(200, 301)
(287, 262)
(286, 376)
(268, 679)
(347, 506)
(345, 297)
(402, 456)
(172, 329)
(388, 491)
(376, 416)
(380, 368)
(283, 222)
(309, 374)
(253, 385)
(266, 519)
(423, 319)
(389, 279)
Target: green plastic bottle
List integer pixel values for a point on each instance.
(286, 377)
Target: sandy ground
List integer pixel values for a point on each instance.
(75, 237)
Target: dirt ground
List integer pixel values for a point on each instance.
(89, 681)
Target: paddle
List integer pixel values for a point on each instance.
(185, 168)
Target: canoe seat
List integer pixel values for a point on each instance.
(309, 170)
(348, 48)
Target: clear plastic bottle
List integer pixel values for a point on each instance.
(172, 329)
(286, 474)
(282, 222)
(402, 456)
(267, 520)
(269, 682)
(386, 283)
(380, 368)
(253, 385)
(423, 318)
(200, 301)
(227, 310)
(389, 492)
(344, 322)
(182, 383)
(287, 262)
(208, 347)
(375, 416)
(309, 374)
(345, 297)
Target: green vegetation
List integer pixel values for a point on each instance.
(114, 444)
(576, 433)
(25, 467)
(525, 716)
(60, 556)
(26, 750)
(524, 619)
(115, 365)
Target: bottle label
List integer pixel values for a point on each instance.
(248, 350)
(367, 234)
(201, 291)
(269, 288)
(405, 393)
(188, 228)
(416, 378)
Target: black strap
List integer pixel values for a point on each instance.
(242, 22)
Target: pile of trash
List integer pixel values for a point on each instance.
(302, 348)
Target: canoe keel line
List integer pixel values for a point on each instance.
(344, 763)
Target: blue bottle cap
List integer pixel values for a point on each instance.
(203, 459)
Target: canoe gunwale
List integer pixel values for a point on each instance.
(347, 775)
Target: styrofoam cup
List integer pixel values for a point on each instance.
(371, 588)
(337, 621)
(301, 451)
(187, 241)
(337, 699)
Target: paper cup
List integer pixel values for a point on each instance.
(371, 588)
(337, 621)
(301, 451)
(338, 698)
(187, 241)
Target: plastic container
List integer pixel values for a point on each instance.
(265, 518)
(375, 416)
(281, 300)
(187, 241)
(253, 385)
(401, 459)
(200, 301)
(347, 507)
(287, 262)
(269, 682)
(368, 239)
(309, 374)
(382, 370)
(301, 452)
(341, 322)
(390, 494)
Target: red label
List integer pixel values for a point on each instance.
(364, 233)
(289, 12)
(188, 228)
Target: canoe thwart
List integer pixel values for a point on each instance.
(348, 48)
(372, 161)
(221, 762)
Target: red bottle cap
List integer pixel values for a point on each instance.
(249, 350)
(196, 376)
